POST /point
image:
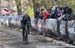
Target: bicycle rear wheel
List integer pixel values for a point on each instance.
(26, 33)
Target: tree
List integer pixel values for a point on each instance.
(42, 3)
(18, 3)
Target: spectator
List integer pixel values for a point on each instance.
(67, 14)
(37, 16)
(54, 12)
(65, 8)
(45, 14)
(41, 15)
(50, 13)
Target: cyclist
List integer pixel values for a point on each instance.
(25, 23)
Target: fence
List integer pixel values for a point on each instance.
(13, 20)
(50, 24)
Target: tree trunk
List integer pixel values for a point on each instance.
(34, 6)
(18, 3)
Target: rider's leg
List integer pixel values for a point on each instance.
(23, 33)
(28, 29)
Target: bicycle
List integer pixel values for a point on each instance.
(25, 33)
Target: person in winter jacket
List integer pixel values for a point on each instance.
(45, 14)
